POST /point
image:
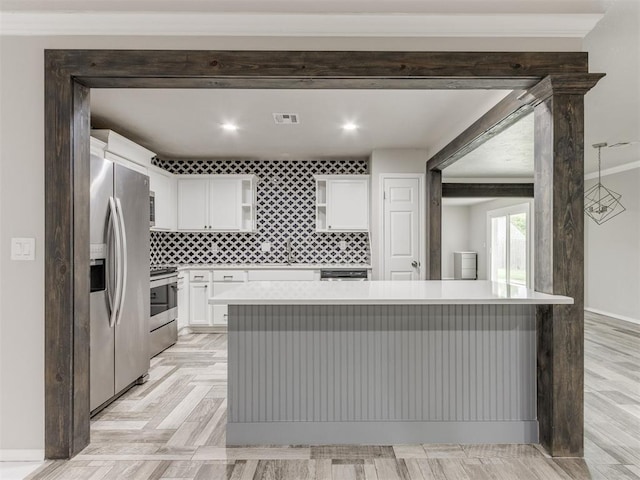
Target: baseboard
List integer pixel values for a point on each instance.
(19, 455)
(613, 315)
(380, 433)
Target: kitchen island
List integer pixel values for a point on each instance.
(382, 362)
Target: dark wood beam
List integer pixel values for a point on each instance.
(434, 224)
(480, 190)
(504, 114)
(559, 259)
(290, 69)
(66, 263)
(70, 73)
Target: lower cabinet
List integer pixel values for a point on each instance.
(199, 304)
(199, 285)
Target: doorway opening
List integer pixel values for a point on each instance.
(509, 246)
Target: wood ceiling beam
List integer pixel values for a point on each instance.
(284, 69)
(487, 190)
(504, 114)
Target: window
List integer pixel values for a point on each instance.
(509, 245)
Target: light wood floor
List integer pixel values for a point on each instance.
(173, 427)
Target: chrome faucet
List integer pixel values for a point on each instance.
(291, 257)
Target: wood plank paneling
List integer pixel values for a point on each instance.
(485, 353)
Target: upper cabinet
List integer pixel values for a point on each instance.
(342, 203)
(221, 203)
(164, 187)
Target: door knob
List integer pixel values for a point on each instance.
(415, 264)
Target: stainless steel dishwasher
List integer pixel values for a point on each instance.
(344, 275)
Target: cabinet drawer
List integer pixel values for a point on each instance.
(199, 276)
(469, 262)
(272, 275)
(229, 276)
(469, 273)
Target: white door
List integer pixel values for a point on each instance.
(348, 205)
(225, 199)
(192, 204)
(401, 229)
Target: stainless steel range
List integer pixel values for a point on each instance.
(163, 326)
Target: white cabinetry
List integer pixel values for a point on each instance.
(342, 203)
(164, 186)
(222, 203)
(192, 203)
(465, 265)
(199, 293)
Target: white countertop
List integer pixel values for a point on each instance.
(275, 266)
(434, 292)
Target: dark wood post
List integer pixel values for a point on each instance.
(66, 262)
(559, 257)
(434, 224)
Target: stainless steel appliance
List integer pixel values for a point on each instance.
(119, 303)
(341, 275)
(163, 327)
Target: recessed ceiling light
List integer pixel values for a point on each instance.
(229, 127)
(349, 127)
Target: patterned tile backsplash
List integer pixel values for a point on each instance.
(285, 209)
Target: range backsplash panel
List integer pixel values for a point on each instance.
(285, 209)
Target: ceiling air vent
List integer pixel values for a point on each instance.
(286, 118)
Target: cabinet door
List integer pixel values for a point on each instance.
(199, 304)
(225, 204)
(192, 204)
(164, 187)
(347, 205)
(219, 312)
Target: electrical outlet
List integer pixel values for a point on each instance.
(214, 248)
(342, 245)
(266, 247)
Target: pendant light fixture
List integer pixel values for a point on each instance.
(600, 203)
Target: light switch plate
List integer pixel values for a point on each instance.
(266, 247)
(23, 249)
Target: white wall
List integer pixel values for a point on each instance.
(396, 160)
(478, 227)
(612, 114)
(612, 253)
(456, 225)
(22, 191)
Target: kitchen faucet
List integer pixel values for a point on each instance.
(291, 257)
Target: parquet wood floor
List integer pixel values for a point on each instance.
(173, 427)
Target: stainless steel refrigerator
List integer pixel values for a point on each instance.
(119, 279)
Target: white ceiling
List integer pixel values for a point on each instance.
(314, 6)
(187, 123)
(508, 154)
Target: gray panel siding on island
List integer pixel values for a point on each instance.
(396, 363)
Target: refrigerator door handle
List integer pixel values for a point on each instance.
(114, 297)
(124, 260)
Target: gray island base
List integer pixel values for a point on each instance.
(383, 373)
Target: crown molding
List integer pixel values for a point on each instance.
(613, 170)
(298, 25)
